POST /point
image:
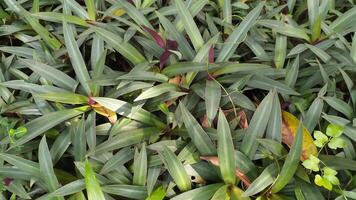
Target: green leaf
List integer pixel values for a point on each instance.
(93, 188)
(280, 51)
(226, 150)
(334, 130)
(239, 34)
(314, 18)
(157, 194)
(330, 175)
(22, 164)
(51, 41)
(323, 182)
(189, 24)
(58, 17)
(204, 192)
(76, 57)
(221, 193)
(140, 167)
(124, 48)
(124, 139)
(62, 97)
(321, 139)
(128, 191)
(336, 142)
(265, 179)
(120, 158)
(312, 163)
(199, 137)
(156, 91)
(340, 106)
(257, 125)
(291, 163)
(212, 99)
(46, 166)
(285, 29)
(313, 114)
(175, 169)
(91, 9)
(274, 128)
(52, 74)
(41, 124)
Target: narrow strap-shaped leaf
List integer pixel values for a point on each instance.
(204, 192)
(52, 74)
(340, 106)
(76, 57)
(280, 50)
(128, 191)
(120, 158)
(93, 188)
(292, 73)
(226, 152)
(127, 110)
(212, 99)
(124, 139)
(291, 163)
(140, 167)
(183, 46)
(40, 30)
(199, 137)
(263, 181)
(134, 13)
(314, 18)
(91, 9)
(257, 125)
(176, 169)
(239, 34)
(313, 114)
(124, 48)
(156, 90)
(22, 164)
(189, 24)
(58, 17)
(64, 97)
(46, 166)
(79, 139)
(274, 128)
(39, 125)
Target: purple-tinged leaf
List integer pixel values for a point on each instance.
(211, 54)
(172, 45)
(164, 58)
(8, 181)
(159, 40)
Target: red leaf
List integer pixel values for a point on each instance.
(159, 40)
(172, 45)
(211, 54)
(164, 58)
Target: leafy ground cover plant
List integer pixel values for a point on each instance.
(177, 99)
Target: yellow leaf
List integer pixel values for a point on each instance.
(289, 130)
(119, 12)
(101, 110)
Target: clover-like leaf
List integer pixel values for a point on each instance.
(336, 142)
(330, 175)
(312, 163)
(323, 182)
(320, 139)
(334, 130)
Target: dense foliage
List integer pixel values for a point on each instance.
(177, 99)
